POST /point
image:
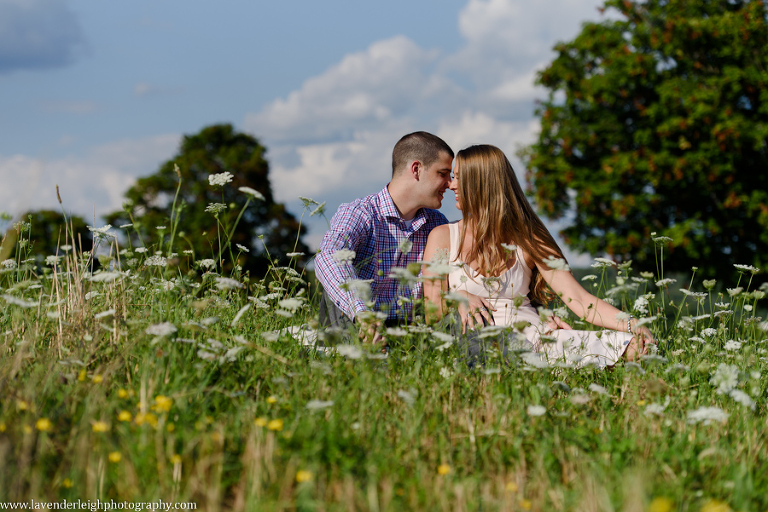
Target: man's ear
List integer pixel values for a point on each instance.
(415, 169)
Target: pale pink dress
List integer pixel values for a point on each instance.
(572, 347)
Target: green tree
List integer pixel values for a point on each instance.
(214, 150)
(657, 121)
(50, 230)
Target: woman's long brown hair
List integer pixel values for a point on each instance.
(494, 205)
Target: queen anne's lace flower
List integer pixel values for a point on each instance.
(221, 179)
(725, 377)
(707, 415)
(252, 192)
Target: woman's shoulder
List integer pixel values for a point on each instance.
(440, 235)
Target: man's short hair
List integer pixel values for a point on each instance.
(421, 146)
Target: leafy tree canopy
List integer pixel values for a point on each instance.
(657, 121)
(208, 212)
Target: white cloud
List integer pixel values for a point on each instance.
(92, 182)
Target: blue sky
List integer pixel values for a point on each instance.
(95, 94)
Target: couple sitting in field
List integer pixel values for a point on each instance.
(495, 264)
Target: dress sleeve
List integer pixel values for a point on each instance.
(350, 229)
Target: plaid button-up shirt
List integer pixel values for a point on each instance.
(372, 227)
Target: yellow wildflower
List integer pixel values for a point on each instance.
(176, 458)
(115, 457)
(44, 425)
(142, 418)
(97, 379)
(272, 399)
(67, 483)
(443, 469)
(100, 426)
(661, 504)
(2, 426)
(525, 504)
(170, 427)
(124, 416)
(162, 404)
(81, 376)
(512, 487)
(21, 405)
(716, 506)
(27, 429)
(275, 424)
(303, 476)
(642, 403)
(122, 393)
(260, 422)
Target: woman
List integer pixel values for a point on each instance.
(504, 261)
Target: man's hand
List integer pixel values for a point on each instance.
(555, 322)
(476, 311)
(370, 327)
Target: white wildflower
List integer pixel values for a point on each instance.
(579, 399)
(220, 179)
(140, 249)
(239, 314)
(156, 261)
(596, 388)
(697, 295)
(10, 264)
(308, 201)
(656, 409)
(697, 338)
(26, 304)
(534, 359)
(508, 247)
(661, 239)
(641, 305)
(725, 377)
(665, 282)
(162, 329)
(314, 405)
(319, 210)
(536, 410)
(360, 288)
(589, 277)
(708, 332)
(707, 415)
(104, 314)
(629, 365)
(252, 192)
(409, 397)
(350, 351)
(106, 277)
(294, 254)
(52, 261)
(90, 295)
(734, 291)
(732, 345)
(446, 373)
(226, 283)
(207, 263)
(397, 332)
(102, 231)
(602, 262)
(742, 398)
(747, 268)
(215, 208)
(204, 354)
(124, 226)
(646, 275)
(444, 337)
(343, 255)
(242, 248)
(291, 304)
(647, 320)
(556, 263)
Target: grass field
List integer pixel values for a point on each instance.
(141, 382)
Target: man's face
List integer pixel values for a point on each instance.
(435, 180)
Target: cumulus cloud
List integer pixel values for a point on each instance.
(38, 34)
(91, 182)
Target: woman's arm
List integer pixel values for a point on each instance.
(587, 306)
(475, 311)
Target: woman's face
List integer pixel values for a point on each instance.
(454, 186)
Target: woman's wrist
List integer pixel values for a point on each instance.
(630, 329)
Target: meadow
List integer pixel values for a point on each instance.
(162, 377)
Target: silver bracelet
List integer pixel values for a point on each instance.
(629, 324)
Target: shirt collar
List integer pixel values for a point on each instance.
(389, 210)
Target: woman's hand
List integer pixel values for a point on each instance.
(555, 322)
(477, 311)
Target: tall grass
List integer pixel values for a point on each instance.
(137, 382)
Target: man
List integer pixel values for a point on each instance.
(385, 230)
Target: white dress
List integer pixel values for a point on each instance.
(572, 347)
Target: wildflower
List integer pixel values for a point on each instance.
(124, 416)
(664, 282)
(349, 351)
(156, 261)
(707, 415)
(361, 288)
(67, 483)
(243, 248)
(444, 337)
(275, 425)
(732, 345)
(445, 373)
(536, 410)
(303, 476)
(115, 457)
(689, 293)
(589, 277)
(443, 469)
(646, 275)
(295, 254)
(734, 291)
(226, 283)
(579, 399)
(343, 255)
(51, 261)
(596, 388)
(308, 201)
(102, 231)
(163, 329)
(409, 397)
(716, 506)
(747, 268)
(100, 426)
(272, 399)
(26, 304)
(141, 249)
(260, 422)
(708, 332)
(654, 409)
(44, 425)
(602, 263)
(9, 264)
(176, 459)
(291, 303)
(661, 239)
(512, 487)
(252, 192)
(405, 246)
(207, 263)
(725, 377)
(220, 179)
(97, 379)
(319, 210)
(106, 277)
(104, 314)
(709, 283)
(556, 263)
(162, 404)
(215, 208)
(742, 398)
(661, 504)
(313, 405)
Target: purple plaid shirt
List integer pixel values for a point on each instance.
(372, 227)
